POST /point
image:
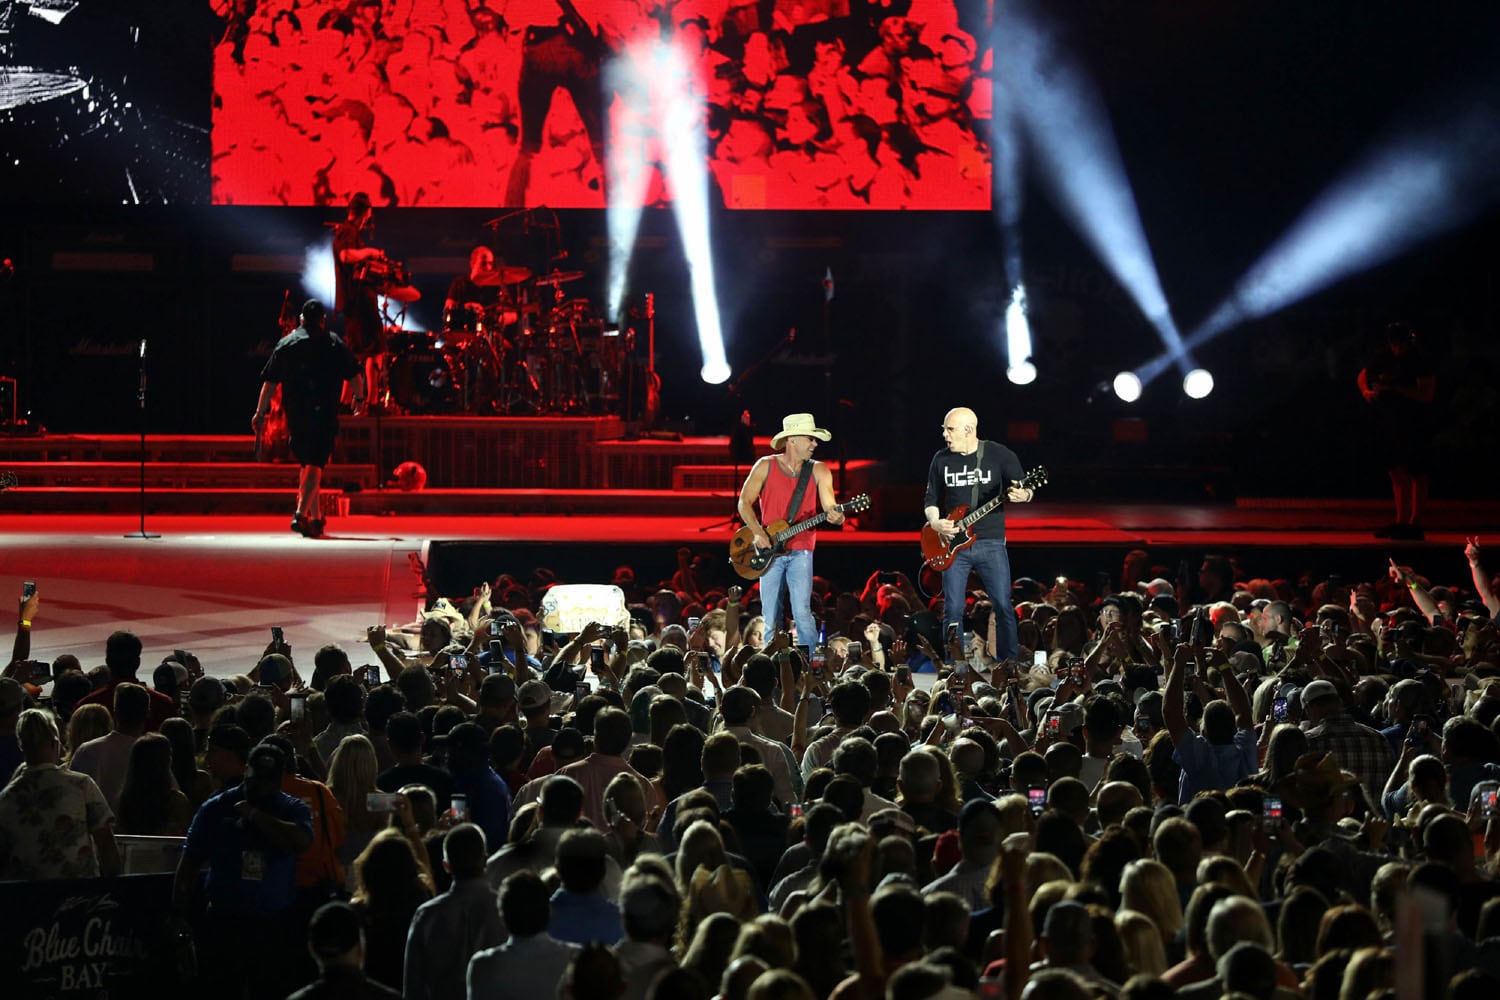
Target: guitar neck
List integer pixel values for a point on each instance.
(792, 530)
(980, 511)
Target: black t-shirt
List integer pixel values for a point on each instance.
(1391, 371)
(311, 371)
(435, 778)
(952, 477)
(348, 292)
(463, 291)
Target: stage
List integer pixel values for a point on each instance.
(215, 584)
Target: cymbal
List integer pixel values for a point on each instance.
(404, 294)
(559, 277)
(502, 276)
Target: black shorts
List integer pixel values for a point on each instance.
(313, 444)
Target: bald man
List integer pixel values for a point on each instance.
(971, 472)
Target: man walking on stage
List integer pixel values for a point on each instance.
(311, 365)
(972, 472)
(780, 483)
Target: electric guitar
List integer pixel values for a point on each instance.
(751, 563)
(939, 552)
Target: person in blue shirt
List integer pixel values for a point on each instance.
(1225, 752)
(580, 911)
(248, 837)
(487, 795)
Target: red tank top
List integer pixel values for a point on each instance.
(777, 493)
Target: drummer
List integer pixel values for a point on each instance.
(480, 295)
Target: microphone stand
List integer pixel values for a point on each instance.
(140, 397)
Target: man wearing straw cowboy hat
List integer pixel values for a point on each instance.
(781, 482)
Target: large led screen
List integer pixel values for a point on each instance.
(797, 104)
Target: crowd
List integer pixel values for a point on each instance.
(433, 102)
(1200, 787)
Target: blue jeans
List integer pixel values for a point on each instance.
(989, 557)
(795, 568)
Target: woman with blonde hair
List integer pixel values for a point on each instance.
(700, 847)
(1226, 872)
(351, 778)
(713, 942)
(89, 722)
(1148, 887)
(769, 938)
(1141, 941)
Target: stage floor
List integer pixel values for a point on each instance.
(216, 584)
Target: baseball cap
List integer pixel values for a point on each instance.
(1157, 586)
(206, 694)
(1318, 689)
(1069, 715)
(534, 694)
(468, 737)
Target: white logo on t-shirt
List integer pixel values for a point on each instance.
(966, 477)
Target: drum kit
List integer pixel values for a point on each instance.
(529, 352)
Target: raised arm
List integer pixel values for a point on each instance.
(1172, 713)
(1481, 578)
(26, 614)
(1419, 595)
(383, 652)
(1234, 693)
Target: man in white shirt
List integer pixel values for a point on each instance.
(979, 839)
(741, 707)
(107, 758)
(446, 932)
(530, 963)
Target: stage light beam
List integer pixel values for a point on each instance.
(1067, 127)
(1417, 183)
(627, 167)
(686, 148)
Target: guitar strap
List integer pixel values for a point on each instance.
(800, 490)
(978, 467)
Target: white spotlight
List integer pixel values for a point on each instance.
(1127, 386)
(715, 372)
(1019, 368)
(1197, 383)
(318, 279)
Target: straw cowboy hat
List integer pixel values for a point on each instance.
(799, 423)
(724, 890)
(1315, 780)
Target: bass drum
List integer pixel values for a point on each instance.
(423, 379)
